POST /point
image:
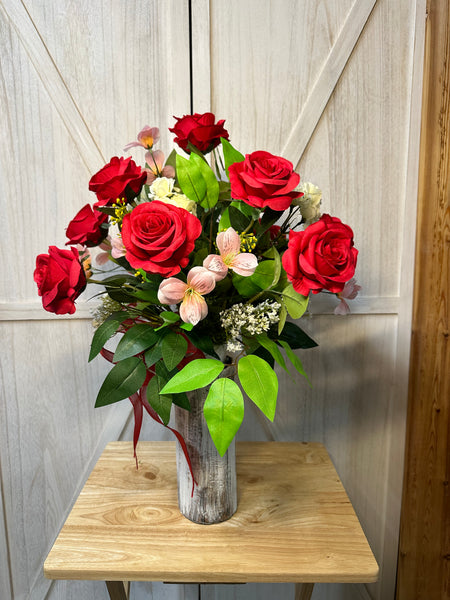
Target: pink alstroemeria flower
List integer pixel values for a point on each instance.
(146, 138)
(350, 292)
(229, 245)
(193, 307)
(155, 161)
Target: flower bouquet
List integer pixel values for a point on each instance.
(208, 259)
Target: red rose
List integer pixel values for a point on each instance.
(60, 279)
(200, 131)
(263, 179)
(120, 178)
(321, 257)
(159, 237)
(86, 227)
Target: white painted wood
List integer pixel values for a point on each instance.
(320, 304)
(398, 408)
(16, 13)
(78, 81)
(323, 88)
(201, 57)
(5, 575)
(358, 131)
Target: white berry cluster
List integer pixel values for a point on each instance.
(249, 320)
(106, 308)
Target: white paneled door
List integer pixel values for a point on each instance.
(333, 86)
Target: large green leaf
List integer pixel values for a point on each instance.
(106, 330)
(230, 154)
(266, 274)
(239, 221)
(260, 383)
(153, 354)
(294, 360)
(202, 342)
(296, 337)
(212, 185)
(271, 347)
(137, 339)
(196, 374)
(162, 403)
(295, 303)
(124, 379)
(190, 179)
(224, 412)
(174, 347)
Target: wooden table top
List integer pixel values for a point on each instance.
(294, 522)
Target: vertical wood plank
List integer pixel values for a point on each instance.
(424, 558)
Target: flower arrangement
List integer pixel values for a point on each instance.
(208, 260)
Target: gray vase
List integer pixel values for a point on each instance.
(215, 496)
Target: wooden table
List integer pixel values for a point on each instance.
(294, 523)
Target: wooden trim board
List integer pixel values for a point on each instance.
(424, 554)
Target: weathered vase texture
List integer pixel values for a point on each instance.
(215, 496)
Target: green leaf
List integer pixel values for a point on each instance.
(275, 255)
(187, 326)
(137, 339)
(224, 222)
(296, 304)
(106, 330)
(202, 342)
(169, 316)
(181, 400)
(296, 337)
(245, 285)
(190, 179)
(172, 160)
(212, 185)
(244, 208)
(162, 403)
(282, 315)
(153, 354)
(295, 360)
(269, 218)
(174, 347)
(238, 220)
(271, 347)
(265, 274)
(196, 374)
(224, 412)
(260, 383)
(124, 379)
(230, 154)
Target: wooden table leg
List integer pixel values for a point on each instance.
(118, 590)
(303, 591)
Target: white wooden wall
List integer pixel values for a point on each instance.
(334, 87)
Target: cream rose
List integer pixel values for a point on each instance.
(310, 202)
(161, 187)
(181, 201)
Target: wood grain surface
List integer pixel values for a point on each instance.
(424, 560)
(294, 522)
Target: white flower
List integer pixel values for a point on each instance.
(310, 202)
(161, 188)
(181, 201)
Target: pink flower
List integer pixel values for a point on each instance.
(155, 161)
(146, 138)
(229, 245)
(193, 307)
(350, 292)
